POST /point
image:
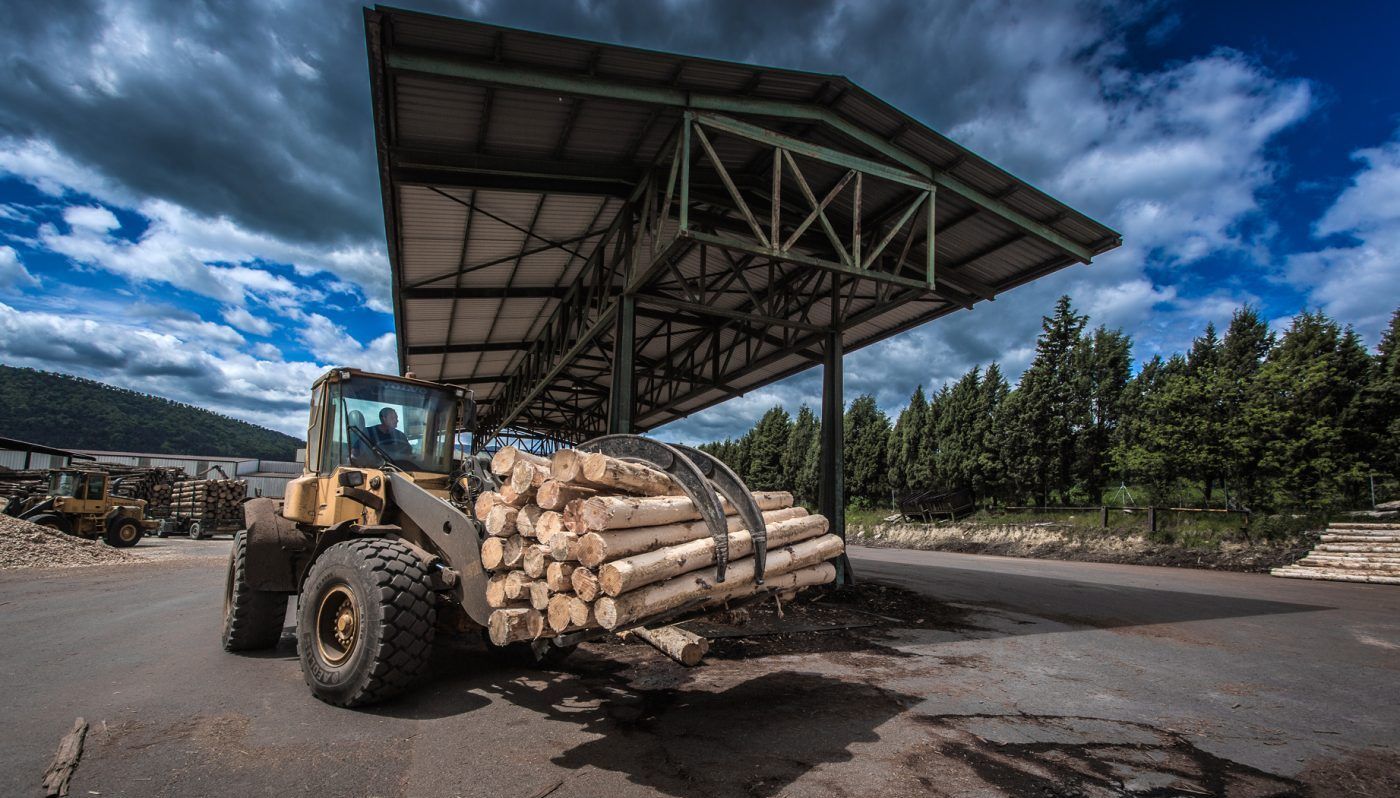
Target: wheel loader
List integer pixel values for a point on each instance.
(378, 543)
(80, 503)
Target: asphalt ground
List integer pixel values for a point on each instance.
(1026, 677)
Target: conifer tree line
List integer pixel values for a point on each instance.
(1305, 419)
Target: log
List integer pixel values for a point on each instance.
(518, 586)
(684, 647)
(513, 497)
(534, 560)
(514, 551)
(503, 462)
(655, 599)
(629, 512)
(558, 612)
(555, 495)
(500, 522)
(581, 614)
(585, 584)
(496, 591)
(549, 524)
(558, 576)
(526, 518)
(596, 548)
(515, 625)
(658, 565)
(493, 553)
(540, 594)
(65, 760)
(566, 465)
(600, 469)
(563, 547)
(485, 502)
(527, 476)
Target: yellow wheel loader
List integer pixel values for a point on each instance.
(378, 542)
(81, 503)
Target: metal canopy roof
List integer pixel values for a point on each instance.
(531, 183)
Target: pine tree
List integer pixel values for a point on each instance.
(906, 440)
(957, 445)
(988, 471)
(1378, 406)
(1104, 366)
(805, 431)
(1247, 342)
(1055, 405)
(867, 431)
(767, 443)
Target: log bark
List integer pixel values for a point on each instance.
(558, 576)
(596, 548)
(600, 469)
(485, 502)
(655, 599)
(65, 760)
(515, 625)
(585, 584)
(527, 476)
(555, 495)
(535, 559)
(628, 512)
(661, 564)
(503, 462)
(500, 522)
(684, 647)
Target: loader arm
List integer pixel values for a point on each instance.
(456, 537)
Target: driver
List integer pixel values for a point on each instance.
(387, 435)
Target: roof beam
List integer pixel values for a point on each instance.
(473, 292)
(517, 76)
(429, 167)
(458, 349)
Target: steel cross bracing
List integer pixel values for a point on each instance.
(730, 266)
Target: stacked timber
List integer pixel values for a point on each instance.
(584, 541)
(216, 503)
(155, 486)
(1351, 552)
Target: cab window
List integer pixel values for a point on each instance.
(95, 485)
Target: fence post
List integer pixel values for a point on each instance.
(1103, 518)
(1152, 519)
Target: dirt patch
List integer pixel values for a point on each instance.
(26, 545)
(1062, 542)
(1374, 773)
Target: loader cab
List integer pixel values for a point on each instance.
(366, 423)
(78, 491)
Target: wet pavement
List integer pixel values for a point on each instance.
(995, 677)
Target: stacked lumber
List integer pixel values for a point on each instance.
(1351, 552)
(217, 503)
(584, 541)
(155, 486)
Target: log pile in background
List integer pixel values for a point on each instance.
(1352, 552)
(216, 503)
(155, 486)
(586, 541)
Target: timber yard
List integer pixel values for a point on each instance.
(484, 575)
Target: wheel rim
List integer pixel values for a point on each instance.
(337, 625)
(127, 533)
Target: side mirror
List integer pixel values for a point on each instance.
(468, 421)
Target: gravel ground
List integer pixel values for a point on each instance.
(26, 545)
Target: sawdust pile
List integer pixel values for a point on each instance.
(26, 545)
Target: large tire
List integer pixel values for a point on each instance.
(252, 618)
(196, 530)
(53, 521)
(123, 533)
(366, 622)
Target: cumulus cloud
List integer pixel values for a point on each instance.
(331, 343)
(242, 319)
(186, 360)
(1356, 281)
(13, 275)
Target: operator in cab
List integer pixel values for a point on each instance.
(388, 437)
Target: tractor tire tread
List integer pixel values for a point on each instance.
(254, 618)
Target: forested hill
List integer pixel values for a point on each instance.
(74, 413)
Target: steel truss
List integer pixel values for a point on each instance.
(709, 266)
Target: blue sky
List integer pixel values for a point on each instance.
(189, 204)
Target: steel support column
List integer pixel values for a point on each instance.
(831, 495)
(623, 394)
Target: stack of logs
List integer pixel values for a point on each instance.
(214, 502)
(1352, 552)
(156, 486)
(586, 541)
